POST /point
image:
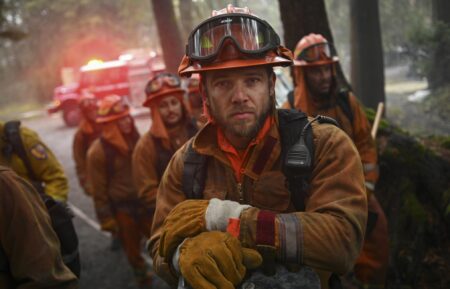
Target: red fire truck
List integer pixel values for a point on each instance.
(125, 77)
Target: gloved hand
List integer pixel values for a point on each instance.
(191, 217)
(216, 260)
(187, 219)
(109, 225)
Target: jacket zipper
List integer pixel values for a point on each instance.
(241, 194)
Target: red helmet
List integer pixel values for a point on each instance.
(313, 50)
(112, 107)
(161, 85)
(232, 38)
(87, 102)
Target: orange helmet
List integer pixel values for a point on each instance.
(87, 102)
(313, 50)
(112, 107)
(162, 84)
(232, 38)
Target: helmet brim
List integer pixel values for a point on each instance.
(161, 94)
(334, 59)
(112, 117)
(236, 63)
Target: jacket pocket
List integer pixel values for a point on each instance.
(269, 192)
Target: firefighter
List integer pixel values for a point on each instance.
(231, 175)
(171, 128)
(317, 92)
(37, 164)
(29, 248)
(109, 172)
(87, 132)
(195, 100)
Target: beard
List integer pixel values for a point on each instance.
(240, 128)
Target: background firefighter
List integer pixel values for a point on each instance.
(316, 92)
(87, 132)
(109, 171)
(171, 128)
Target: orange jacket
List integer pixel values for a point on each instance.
(358, 130)
(146, 157)
(82, 140)
(328, 233)
(28, 240)
(116, 189)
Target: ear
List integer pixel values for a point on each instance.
(203, 93)
(272, 81)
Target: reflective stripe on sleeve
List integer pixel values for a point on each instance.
(290, 235)
(368, 167)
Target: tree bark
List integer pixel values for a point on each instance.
(439, 74)
(367, 71)
(302, 17)
(186, 18)
(169, 34)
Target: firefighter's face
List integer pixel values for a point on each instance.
(170, 110)
(125, 125)
(319, 79)
(239, 99)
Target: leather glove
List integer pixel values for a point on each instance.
(187, 219)
(191, 217)
(216, 260)
(109, 225)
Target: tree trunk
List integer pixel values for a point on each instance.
(186, 18)
(367, 53)
(439, 74)
(302, 17)
(169, 34)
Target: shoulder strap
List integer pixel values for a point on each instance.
(297, 162)
(12, 135)
(290, 98)
(298, 155)
(163, 156)
(194, 173)
(343, 101)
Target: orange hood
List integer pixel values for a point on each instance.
(112, 134)
(158, 129)
(302, 97)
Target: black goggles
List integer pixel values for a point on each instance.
(156, 83)
(250, 34)
(316, 52)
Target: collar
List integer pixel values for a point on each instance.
(262, 152)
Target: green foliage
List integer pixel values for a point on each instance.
(414, 192)
(438, 103)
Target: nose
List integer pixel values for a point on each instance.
(324, 73)
(239, 94)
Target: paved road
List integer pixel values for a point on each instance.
(101, 267)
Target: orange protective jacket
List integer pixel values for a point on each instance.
(84, 137)
(117, 189)
(328, 234)
(358, 130)
(28, 240)
(146, 157)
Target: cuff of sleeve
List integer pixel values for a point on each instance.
(219, 211)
